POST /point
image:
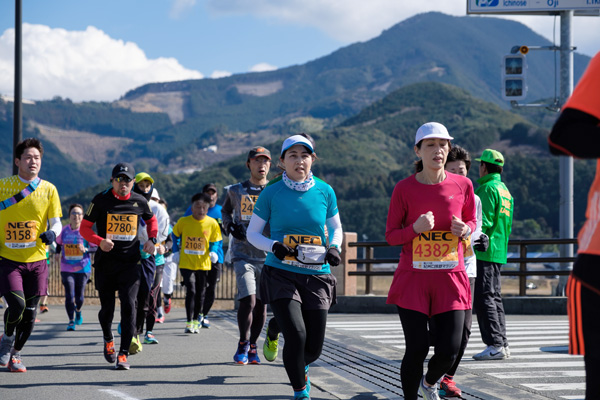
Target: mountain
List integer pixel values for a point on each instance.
(366, 155)
(190, 125)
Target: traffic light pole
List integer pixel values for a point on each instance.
(17, 116)
(566, 163)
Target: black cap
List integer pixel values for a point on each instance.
(123, 169)
(210, 186)
(259, 151)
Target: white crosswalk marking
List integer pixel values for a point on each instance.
(539, 354)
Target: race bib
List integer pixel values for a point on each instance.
(247, 206)
(435, 250)
(295, 240)
(195, 246)
(468, 248)
(20, 235)
(72, 252)
(121, 227)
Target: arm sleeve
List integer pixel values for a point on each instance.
(334, 227)
(572, 133)
(88, 234)
(55, 225)
(255, 236)
(227, 212)
(151, 227)
(489, 204)
(469, 212)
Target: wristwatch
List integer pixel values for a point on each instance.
(154, 241)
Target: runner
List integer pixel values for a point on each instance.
(28, 205)
(574, 133)
(247, 260)
(430, 213)
(170, 268)
(75, 264)
(296, 283)
(116, 213)
(152, 265)
(459, 162)
(198, 233)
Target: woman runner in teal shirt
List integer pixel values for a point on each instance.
(296, 279)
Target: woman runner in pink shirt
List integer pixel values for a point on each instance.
(430, 213)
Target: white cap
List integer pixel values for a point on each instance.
(296, 139)
(432, 130)
(155, 195)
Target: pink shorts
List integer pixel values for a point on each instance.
(430, 292)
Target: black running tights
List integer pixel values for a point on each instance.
(448, 335)
(20, 316)
(251, 317)
(304, 333)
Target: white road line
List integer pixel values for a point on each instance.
(472, 364)
(116, 393)
(581, 397)
(537, 374)
(555, 386)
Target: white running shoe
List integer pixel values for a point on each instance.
(428, 393)
(491, 353)
(507, 351)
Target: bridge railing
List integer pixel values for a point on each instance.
(352, 262)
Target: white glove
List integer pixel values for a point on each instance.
(214, 257)
(175, 258)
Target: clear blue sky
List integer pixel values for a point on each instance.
(97, 50)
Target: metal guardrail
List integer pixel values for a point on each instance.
(226, 287)
(522, 273)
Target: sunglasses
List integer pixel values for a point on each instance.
(122, 179)
(76, 213)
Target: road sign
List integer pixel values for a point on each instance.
(583, 7)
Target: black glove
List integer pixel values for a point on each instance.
(282, 250)
(333, 257)
(48, 237)
(482, 243)
(238, 231)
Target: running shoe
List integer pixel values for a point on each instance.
(15, 364)
(307, 379)
(189, 327)
(150, 339)
(301, 395)
(78, 318)
(241, 355)
(428, 392)
(160, 319)
(205, 322)
(448, 388)
(119, 328)
(122, 362)
(109, 351)
(491, 353)
(135, 346)
(196, 326)
(253, 355)
(44, 308)
(6, 344)
(167, 306)
(507, 351)
(71, 326)
(271, 347)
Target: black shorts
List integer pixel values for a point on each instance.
(112, 274)
(314, 292)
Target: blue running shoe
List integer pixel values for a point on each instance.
(253, 355)
(119, 328)
(71, 326)
(78, 318)
(241, 355)
(301, 395)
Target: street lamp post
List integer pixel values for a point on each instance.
(18, 118)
